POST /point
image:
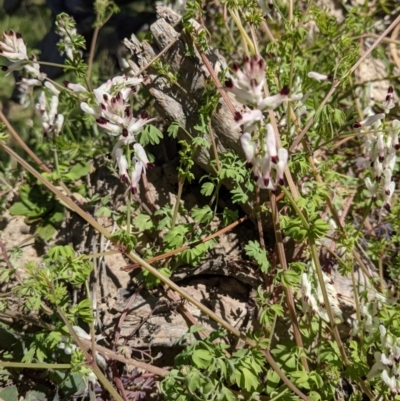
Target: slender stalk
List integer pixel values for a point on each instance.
(214, 146)
(25, 365)
(288, 291)
(188, 246)
(177, 203)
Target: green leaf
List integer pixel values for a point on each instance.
(202, 358)
(77, 171)
(273, 380)
(202, 215)
(34, 396)
(229, 216)
(19, 209)
(247, 379)
(207, 188)
(150, 134)
(46, 231)
(9, 394)
(253, 250)
(103, 211)
(143, 222)
(176, 236)
(173, 129)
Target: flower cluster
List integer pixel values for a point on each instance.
(381, 148)
(387, 360)
(111, 108)
(13, 48)
(312, 298)
(262, 155)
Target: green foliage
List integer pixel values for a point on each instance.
(39, 207)
(254, 250)
(203, 369)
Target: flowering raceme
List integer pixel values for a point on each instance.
(111, 108)
(262, 155)
(382, 148)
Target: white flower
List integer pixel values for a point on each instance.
(271, 143)
(372, 188)
(249, 148)
(369, 120)
(389, 381)
(389, 103)
(319, 77)
(77, 88)
(136, 174)
(122, 164)
(13, 47)
(283, 156)
(272, 102)
(247, 84)
(249, 119)
(141, 156)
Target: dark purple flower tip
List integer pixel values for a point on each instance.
(4, 68)
(133, 190)
(271, 6)
(390, 89)
(108, 156)
(371, 164)
(253, 83)
(11, 33)
(103, 106)
(261, 63)
(144, 115)
(66, 83)
(105, 97)
(118, 96)
(388, 98)
(149, 166)
(329, 77)
(249, 165)
(378, 179)
(285, 91)
(274, 159)
(245, 59)
(306, 298)
(20, 78)
(133, 88)
(113, 100)
(274, 191)
(357, 125)
(125, 132)
(387, 192)
(381, 159)
(281, 181)
(127, 111)
(102, 120)
(123, 177)
(397, 146)
(322, 304)
(229, 83)
(237, 116)
(1, 51)
(266, 181)
(19, 36)
(235, 67)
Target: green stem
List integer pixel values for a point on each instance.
(26, 365)
(288, 291)
(177, 203)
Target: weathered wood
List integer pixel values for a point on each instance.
(181, 102)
